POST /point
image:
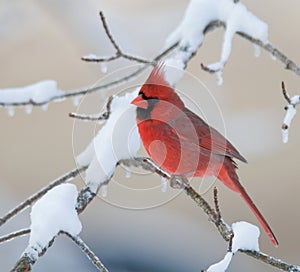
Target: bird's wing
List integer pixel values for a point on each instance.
(196, 130)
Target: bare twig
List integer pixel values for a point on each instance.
(85, 117)
(65, 178)
(216, 201)
(285, 93)
(119, 53)
(230, 243)
(89, 253)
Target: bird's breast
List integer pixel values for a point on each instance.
(175, 154)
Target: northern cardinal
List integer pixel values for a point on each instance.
(181, 143)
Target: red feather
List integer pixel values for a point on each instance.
(182, 143)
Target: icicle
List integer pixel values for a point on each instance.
(219, 78)
(76, 100)
(10, 111)
(273, 57)
(28, 108)
(164, 184)
(256, 50)
(103, 190)
(127, 173)
(103, 67)
(44, 107)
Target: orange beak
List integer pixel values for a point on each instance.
(140, 102)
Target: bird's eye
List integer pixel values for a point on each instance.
(143, 96)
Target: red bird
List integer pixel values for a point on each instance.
(181, 143)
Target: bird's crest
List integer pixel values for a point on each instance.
(157, 76)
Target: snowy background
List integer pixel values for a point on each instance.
(45, 40)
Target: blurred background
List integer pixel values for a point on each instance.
(138, 227)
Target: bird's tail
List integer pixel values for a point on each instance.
(229, 177)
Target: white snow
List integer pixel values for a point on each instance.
(174, 68)
(53, 213)
(222, 265)
(200, 13)
(90, 56)
(39, 92)
(245, 237)
(117, 139)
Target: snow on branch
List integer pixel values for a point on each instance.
(245, 236)
(202, 16)
(37, 94)
(104, 152)
(242, 243)
(290, 112)
(23, 205)
(187, 38)
(12, 97)
(86, 196)
(53, 213)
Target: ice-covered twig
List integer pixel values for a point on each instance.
(245, 236)
(119, 53)
(290, 112)
(224, 229)
(79, 92)
(94, 118)
(53, 213)
(180, 182)
(65, 178)
(200, 13)
(86, 195)
(106, 149)
(89, 253)
(13, 235)
(26, 261)
(202, 16)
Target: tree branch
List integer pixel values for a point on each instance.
(26, 261)
(289, 64)
(89, 253)
(119, 53)
(86, 196)
(223, 228)
(13, 235)
(290, 112)
(92, 89)
(103, 116)
(65, 178)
